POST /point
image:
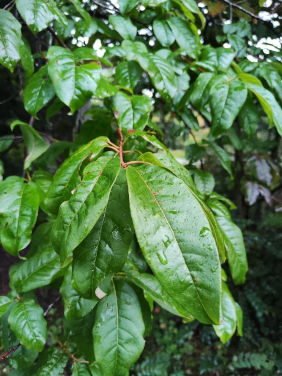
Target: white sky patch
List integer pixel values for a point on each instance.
(269, 44)
(97, 47)
(147, 92)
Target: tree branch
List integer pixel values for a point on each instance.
(56, 37)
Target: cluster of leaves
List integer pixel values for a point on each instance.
(121, 226)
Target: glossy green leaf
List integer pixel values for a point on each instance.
(69, 230)
(27, 322)
(238, 44)
(161, 217)
(270, 74)
(163, 33)
(128, 73)
(133, 49)
(152, 286)
(67, 177)
(118, 330)
(219, 197)
(199, 87)
(5, 142)
(38, 92)
(124, 27)
(38, 14)
(4, 304)
(36, 145)
(269, 105)
(239, 318)
(226, 330)
(10, 40)
(186, 35)
(224, 157)
(226, 100)
(105, 249)
(218, 208)
(189, 119)
(37, 271)
(204, 182)
(249, 116)
(75, 307)
(19, 204)
(194, 153)
(161, 73)
(212, 59)
(127, 5)
(43, 180)
(78, 6)
(73, 84)
(131, 112)
(22, 358)
(51, 362)
(236, 253)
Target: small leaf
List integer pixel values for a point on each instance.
(51, 362)
(36, 145)
(168, 247)
(10, 40)
(127, 5)
(124, 27)
(186, 35)
(269, 105)
(204, 182)
(19, 204)
(198, 89)
(67, 177)
(236, 252)
(68, 230)
(128, 73)
(4, 304)
(194, 153)
(105, 249)
(118, 330)
(218, 208)
(163, 33)
(75, 306)
(226, 100)
(251, 191)
(131, 112)
(80, 369)
(38, 92)
(226, 330)
(28, 323)
(43, 180)
(27, 58)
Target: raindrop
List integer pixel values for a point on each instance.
(162, 257)
(204, 232)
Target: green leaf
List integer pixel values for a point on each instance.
(238, 44)
(191, 5)
(51, 362)
(218, 208)
(38, 14)
(226, 100)
(133, 49)
(269, 105)
(78, 6)
(4, 304)
(5, 144)
(10, 40)
(226, 330)
(249, 116)
(124, 27)
(204, 182)
(67, 177)
(75, 307)
(105, 249)
(152, 286)
(80, 369)
(198, 89)
(73, 84)
(186, 35)
(195, 153)
(118, 330)
(27, 58)
(27, 322)
(163, 33)
(19, 204)
(36, 145)
(43, 180)
(161, 73)
(161, 219)
(236, 253)
(270, 74)
(212, 59)
(217, 196)
(38, 92)
(94, 191)
(131, 112)
(39, 270)
(128, 73)
(223, 156)
(127, 5)
(239, 318)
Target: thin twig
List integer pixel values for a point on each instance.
(57, 37)
(8, 5)
(7, 100)
(50, 306)
(10, 138)
(67, 351)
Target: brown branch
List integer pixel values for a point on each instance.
(67, 351)
(56, 37)
(121, 147)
